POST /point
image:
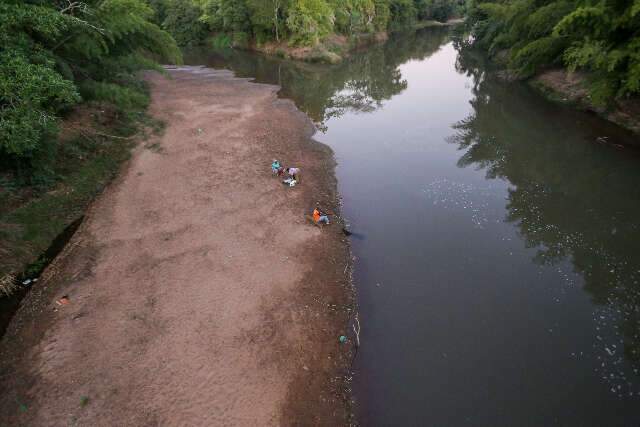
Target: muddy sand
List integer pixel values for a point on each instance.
(198, 293)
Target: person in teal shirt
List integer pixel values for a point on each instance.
(275, 167)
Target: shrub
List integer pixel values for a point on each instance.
(309, 21)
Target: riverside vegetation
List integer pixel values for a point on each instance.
(330, 27)
(77, 61)
(596, 42)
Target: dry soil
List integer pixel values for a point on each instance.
(198, 293)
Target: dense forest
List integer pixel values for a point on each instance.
(600, 38)
(299, 22)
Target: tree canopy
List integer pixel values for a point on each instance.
(599, 37)
(54, 54)
(302, 22)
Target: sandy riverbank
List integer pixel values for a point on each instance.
(199, 294)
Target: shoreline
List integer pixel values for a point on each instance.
(567, 88)
(560, 86)
(133, 344)
(336, 48)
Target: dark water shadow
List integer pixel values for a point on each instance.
(9, 305)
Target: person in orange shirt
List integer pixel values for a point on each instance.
(319, 217)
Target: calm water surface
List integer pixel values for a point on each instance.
(498, 274)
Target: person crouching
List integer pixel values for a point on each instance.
(294, 173)
(320, 217)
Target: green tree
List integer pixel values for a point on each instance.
(309, 21)
(268, 17)
(403, 13)
(32, 91)
(53, 51)
(301, 21)
(382, 15)
(183, 19)
(354, 16)
(234, 16)
(600, 38)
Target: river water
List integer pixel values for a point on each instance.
(499, 253)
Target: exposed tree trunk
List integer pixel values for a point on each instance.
(275, 18)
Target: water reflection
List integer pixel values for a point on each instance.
(359, 84)
(458, 317)
(570, 198)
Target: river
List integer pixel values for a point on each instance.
(498, 250)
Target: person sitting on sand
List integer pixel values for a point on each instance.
(319, 217)
(294, 173)
(275, 166)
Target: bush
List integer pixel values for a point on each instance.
(221, 41)
(183, 21)
(600, 38)
(403, 13)
(309, 21)
(48, 51)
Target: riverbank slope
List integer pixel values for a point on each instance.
(560, 85)
(197, 293)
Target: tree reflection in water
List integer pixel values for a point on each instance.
(571, 198)
(359, 84)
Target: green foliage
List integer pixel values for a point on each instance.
(299, 21)
(211, 15)
(234, 16)
(403, 12)
(268, 17)
(601, 38)
(309, 21)
(32, 92)
(126, 98)
(542, 51)
(221, 41)
(82, 169)
(355, 16)
(183, 21)
(159, 10)
(30, 96)
(50, 50)
(440, 10)
(382, 15)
